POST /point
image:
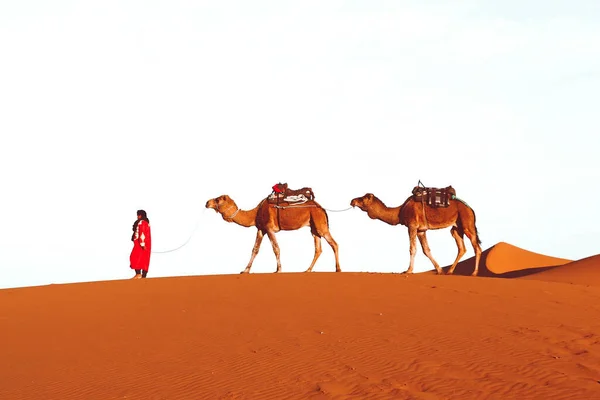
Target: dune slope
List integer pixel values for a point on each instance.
(507, 260)
(582, 272)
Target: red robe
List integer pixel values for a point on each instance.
(142, 247)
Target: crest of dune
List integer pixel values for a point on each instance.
(509, 261)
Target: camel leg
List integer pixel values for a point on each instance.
(275, 249)
(457, 234)
(473, 238)
(427, 251)
(318, 252)
(412, 235)
(334, 247)
(259, 237)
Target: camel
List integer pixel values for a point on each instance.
(271, 218)
(419, 218)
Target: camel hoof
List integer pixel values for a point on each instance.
(338, 270)
(449, 272)
(474, 274)
(244, 272)
(440, 272)
(407, 272)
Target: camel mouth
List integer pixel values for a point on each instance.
(211, 204)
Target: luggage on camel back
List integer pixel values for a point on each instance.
(433, 197)
(281, 193)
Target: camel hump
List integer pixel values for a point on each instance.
(281, 192)
(432, 196)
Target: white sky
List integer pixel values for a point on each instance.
(107, 107)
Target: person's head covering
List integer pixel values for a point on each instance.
(144, 216)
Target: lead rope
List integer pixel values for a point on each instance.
(184, 243)
(345, 209)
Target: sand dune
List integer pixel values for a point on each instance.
(504, 257)
(507, 260)
(581, 272)
(303, 336)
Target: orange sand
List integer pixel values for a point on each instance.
(582, 272)
(310, 336)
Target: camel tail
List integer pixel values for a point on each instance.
(474, 218)
(476, 233)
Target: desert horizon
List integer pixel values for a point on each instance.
(527, 327)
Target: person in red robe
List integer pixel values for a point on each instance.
(139, 259)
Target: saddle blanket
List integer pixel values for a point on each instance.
(298, 198)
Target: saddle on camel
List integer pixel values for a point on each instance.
(433, 197)
(282, 193)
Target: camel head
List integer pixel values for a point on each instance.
(223, 204)
(364, 202)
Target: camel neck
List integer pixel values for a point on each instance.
(389, 215)
(245, 218)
